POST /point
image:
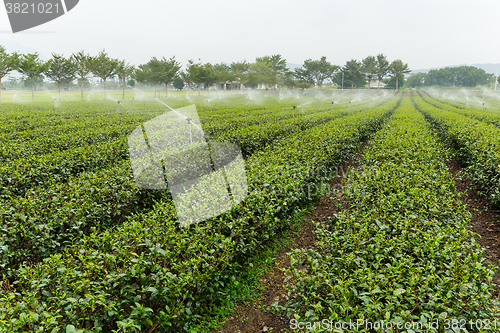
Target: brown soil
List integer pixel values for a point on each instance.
(253, 317)
(484, 218)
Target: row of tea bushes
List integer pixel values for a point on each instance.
(403, 252)
(50, 218)
(20, 174)
(149, 273)
(488, 116)
(474, 142)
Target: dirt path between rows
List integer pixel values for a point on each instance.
(252, 317)
(485, 220)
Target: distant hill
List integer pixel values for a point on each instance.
(488, 68)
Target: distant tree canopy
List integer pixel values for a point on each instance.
(178, 84)
(8, 63)
(463, 76)
(392, 82)
(350, 75)
(267, 72)
(416, 80)
(316, 71)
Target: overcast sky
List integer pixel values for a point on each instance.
(425, 33)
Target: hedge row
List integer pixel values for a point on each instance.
(474, 142)
(50, 218)
(404, 252)
(19, 175)
(488, 116)
(149, 273)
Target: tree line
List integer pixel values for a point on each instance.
(269, 72)
(462, 76)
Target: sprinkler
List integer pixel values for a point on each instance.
(190, 133)
(294, 107)
(118, 105)
(332, 105)
(349, 105)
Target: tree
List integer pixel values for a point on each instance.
(304, 77)
(240, 71)
(200, 74)
(261, 72)
(398, 68)
(416, 80)
(288, 79)
(191, 75)
(319, 70)
(169, 70)
(8, 63)
(369, 68)
(83, 68)
(382, 67)
(35, 81)
(178, 84)
(32, 67)
(154, 72)
(465, 76)
(277, 64)
(391, 82)
(222, 73)
(124, 72)
(142, 74)
(352, 71)
(60, 70)
(186, 76)
(205, 75)
(103, 67)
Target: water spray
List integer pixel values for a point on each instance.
(178, 113)
(190, 132)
